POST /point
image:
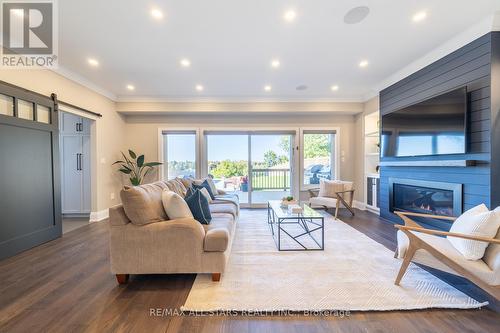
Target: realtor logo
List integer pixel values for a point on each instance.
(28, 34)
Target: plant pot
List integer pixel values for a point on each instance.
(244, 187)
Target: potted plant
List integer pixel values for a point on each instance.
(244, 184)
(135, 167)
(286, 201)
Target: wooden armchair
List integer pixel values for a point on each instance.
(425, 246)
(344, 197)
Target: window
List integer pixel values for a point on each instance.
(179, 151)
(42, 114)
(6, 105)
(318, 156)
(25, 109)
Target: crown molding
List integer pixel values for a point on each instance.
(235, 99)
(69, 74)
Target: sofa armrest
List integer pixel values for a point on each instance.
(216, 240)
(117, 216)
(160, 247)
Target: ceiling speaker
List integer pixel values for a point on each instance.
(356, 15)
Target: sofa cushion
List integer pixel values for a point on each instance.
(143, 204)
(187, 182)
(216, 240)
(228, 208)
(177, 186)
(477, 221)
(206, 186)
(199, 207)
(174, 205)
(222, 220)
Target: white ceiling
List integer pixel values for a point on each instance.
(231, 43)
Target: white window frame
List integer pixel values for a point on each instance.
(161, 148)
(336, 155)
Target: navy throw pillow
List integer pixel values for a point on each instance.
(199, 207)
(206, 185)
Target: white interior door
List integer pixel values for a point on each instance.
(72, 175)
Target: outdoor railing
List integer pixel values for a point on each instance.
(270, 179)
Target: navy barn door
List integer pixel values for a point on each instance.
(30, 210)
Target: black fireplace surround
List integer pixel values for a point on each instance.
(426, 197)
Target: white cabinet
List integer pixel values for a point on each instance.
(73, 124)
(75, 164)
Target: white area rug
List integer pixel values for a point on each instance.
(353, 273)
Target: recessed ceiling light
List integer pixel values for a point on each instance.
(420, 16)
(363, 63)
(130, 87)
(334, 88)
(275, 63)
(289, 15)
(156, 13)
(356, 15)
(185, 63)
(93, 62)
(199, 87)
(268, 88)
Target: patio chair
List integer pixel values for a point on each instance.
(333, 193)
(429, 248)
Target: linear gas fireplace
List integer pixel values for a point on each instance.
(425, 197)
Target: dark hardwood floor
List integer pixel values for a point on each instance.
(66, 286)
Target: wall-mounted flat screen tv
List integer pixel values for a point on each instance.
(436, 126)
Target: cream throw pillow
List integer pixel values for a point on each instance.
(328, 188)
(477, 221)
(204, 191)
(174, 205)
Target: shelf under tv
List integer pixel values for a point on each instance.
(436, 163)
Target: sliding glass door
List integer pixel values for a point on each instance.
(255, 166)
(227, 158)
(270, 176)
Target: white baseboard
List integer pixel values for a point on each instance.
(99, 216)
(359, 205)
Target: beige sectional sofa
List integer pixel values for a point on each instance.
(169, 246)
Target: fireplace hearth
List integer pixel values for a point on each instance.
(425, 197)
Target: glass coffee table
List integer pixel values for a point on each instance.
(296, 232)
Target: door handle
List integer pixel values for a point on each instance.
(76, 125)
(81, 160)
(78, 161)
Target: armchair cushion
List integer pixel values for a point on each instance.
(329, 188)
(323, 201)
(478, 221)
(476, 267)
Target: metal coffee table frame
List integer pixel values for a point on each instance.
(276, 221)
